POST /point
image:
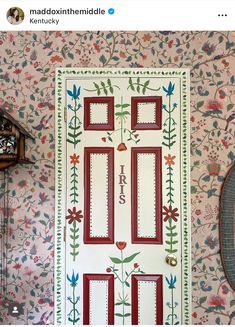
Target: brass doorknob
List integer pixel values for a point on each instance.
(171, 260)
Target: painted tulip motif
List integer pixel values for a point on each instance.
(213, 168)
(122, 147)
(121, 245)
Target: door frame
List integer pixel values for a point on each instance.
(60, 180)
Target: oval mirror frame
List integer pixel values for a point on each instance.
(227, 226)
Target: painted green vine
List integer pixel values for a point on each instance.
(103, 87)
(74, 176)
(140, 87)
(169, 133)
(74, 217)
(170, 214)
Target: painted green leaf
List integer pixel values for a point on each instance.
(206, 178)
(232, 302)
(130, 258)
(211, 192)
(115, 260)
(202, 299)
(200, 104)
(102, 59)
(118, 315)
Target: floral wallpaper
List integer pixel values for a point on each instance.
(28, 61)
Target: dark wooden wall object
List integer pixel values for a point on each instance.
(10, 127)
(227, 226)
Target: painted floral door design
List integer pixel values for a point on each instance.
(122, 197)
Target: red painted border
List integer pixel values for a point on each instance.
(134, 113)
(87, 238)
(134, 195)
(87, 114)
(86, 296)
(159, 296)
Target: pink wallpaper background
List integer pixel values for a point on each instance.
(27, 79)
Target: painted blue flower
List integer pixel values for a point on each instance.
(170, 89)
(171, 282)
(212, 242)
(75, 92)
(73, 279)
(205, 287)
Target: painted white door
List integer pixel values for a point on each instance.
(124, 197)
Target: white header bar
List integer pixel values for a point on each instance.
(121, 15)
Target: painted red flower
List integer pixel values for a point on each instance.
(147, 37)
(216, 300)
(169, 160)
(122, 54)
(17, 71)
(121, 245)
(43, 139)
(214, 105)
(225, 143)
(122, 147)
(74, 159)
(213, 168)
(222, 94)
(225, 289)
(74, 215)
(97, 47)
(103, 139)
(41, 105)
(108, 270)
(225, 63)
(17, 266)
(170, 213)
(56, 58)
(41, 301)
(136, 265)
(170, 43)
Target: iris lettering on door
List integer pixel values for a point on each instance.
(122, 183)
